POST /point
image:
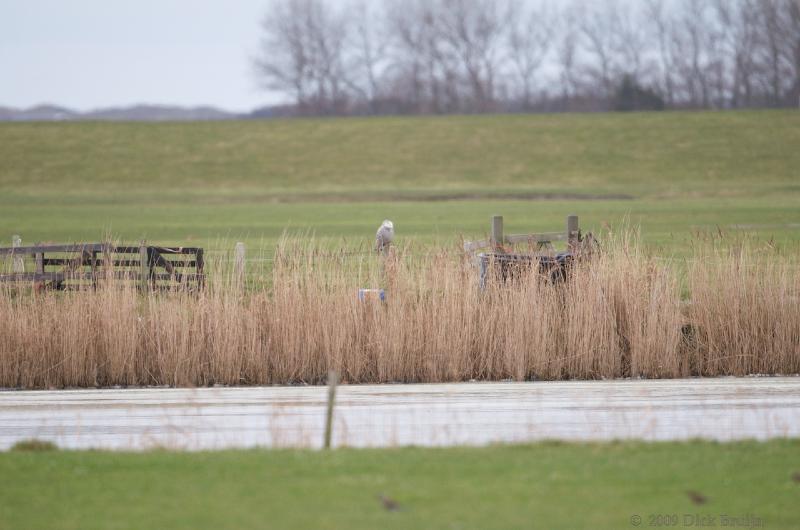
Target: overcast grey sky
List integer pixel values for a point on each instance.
(97, 53)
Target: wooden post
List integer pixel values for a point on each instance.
(333, 380)
(18, 264)
(38, 281)
(239, 264)
(93, 265)
(108, 262)
(144, 267)
(497, 232)
(200, 265)
(572, 232)
(39, 262)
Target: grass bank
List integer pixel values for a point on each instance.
(181, 183)
(548, 485)
(644, 155)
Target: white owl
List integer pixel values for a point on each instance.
(384, 236)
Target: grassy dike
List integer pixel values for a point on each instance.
(547, 485)
(672, 173)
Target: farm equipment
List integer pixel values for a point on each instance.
(507, 265)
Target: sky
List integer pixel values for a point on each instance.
(86, 54)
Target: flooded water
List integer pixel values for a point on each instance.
(395, 415)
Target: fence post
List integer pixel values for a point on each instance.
(200, 266)
(333, 380)
(239, 264)
(39, 262)
(18, 264)
(144, 267)
(108, 261)
(93, 264)
(572, 232)
(497, 232)
(38, 279)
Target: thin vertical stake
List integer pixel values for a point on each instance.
(333, 380)
(239, 264)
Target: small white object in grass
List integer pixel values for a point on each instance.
(371, 294)
(384, 236)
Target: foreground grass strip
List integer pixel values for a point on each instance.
(548, 485)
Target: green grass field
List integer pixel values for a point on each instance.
(670, 173)
(545, 485)
(437, 178)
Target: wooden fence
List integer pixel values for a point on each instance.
(82, 266)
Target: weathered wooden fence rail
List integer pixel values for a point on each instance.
(84, 265)
(543, 240)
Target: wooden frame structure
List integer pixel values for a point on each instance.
(507, 265)
(82, 266)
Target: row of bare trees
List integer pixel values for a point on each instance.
(440, 56)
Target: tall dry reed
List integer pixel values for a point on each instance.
(621, 313)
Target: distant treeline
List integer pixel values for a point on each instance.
(456, 56)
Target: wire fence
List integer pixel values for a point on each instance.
(298, 249)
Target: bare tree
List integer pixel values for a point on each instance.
(598, 29)
(632, 46)
(285, 59)
(778, 51)
(419, 67)
(793, 38)
(302, 51)
(718, 68)
(529, 37)
(369, 43)
(328, 33)
(689, 49)
(740, 21)
(472, 33)
(662, 25)
(567, 51)
(442, 56)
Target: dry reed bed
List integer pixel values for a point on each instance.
(621, 314)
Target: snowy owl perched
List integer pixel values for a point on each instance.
(384, 236)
